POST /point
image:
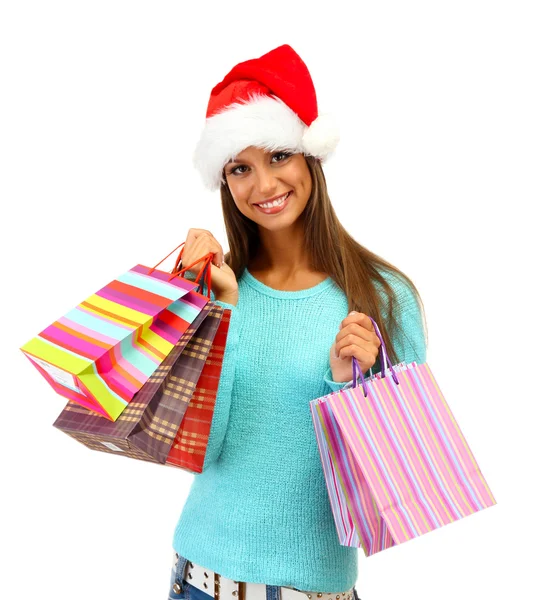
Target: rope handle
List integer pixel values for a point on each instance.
(208, 276)
(207, 261)
(160, 261)
(384, 359)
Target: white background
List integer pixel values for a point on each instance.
(439, 170)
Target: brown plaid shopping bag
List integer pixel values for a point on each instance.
(147, 428)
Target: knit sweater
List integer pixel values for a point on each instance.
(260, 512)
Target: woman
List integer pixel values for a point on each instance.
(257, 522)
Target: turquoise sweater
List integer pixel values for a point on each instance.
(259, 512)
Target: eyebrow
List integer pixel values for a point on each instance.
(242, 160)
(235, 161)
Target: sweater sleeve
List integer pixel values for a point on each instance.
(409, 343)
(226, 380)
(338, 385)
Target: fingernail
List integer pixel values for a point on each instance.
(352, 312)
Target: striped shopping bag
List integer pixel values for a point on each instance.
(395, 461)
(148, 427)
(101, 353)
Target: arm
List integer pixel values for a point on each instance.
(409, 342)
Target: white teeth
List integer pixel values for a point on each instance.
(275, 203)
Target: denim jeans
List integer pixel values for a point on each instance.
(180, 589)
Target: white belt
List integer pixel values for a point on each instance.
(223, 588)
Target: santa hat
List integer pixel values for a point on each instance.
(268, 102)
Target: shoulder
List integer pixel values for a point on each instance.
(401, 288)
(408, 332)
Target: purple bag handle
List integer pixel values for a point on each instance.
(385, 360)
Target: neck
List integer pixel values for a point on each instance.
(281, 251)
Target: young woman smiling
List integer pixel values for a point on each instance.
(257, 521)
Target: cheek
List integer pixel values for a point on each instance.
(303, 184)
(299, 176)
(241, 202)
(238, 193)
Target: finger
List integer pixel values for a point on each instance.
(195, 234)
(192, 235)
(355, 317)
(358, 342)
(367, 323)
(366, 355)
(359, 319)
(199, 243)
(195, 259)
(355, 330)
(212, 245)
(187, 256)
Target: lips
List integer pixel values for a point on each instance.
(274, 209)
(273, 199)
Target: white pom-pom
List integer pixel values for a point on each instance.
(322, 136)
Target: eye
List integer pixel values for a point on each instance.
(285, 154)
(235, 170)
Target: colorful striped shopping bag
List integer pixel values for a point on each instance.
(103, 351)
(147, 428)
(395, 461)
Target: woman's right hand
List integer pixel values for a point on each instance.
(198, 244)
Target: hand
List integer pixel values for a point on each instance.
(198, 244)
(356, 338)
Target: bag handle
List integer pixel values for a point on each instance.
(160, 261)
(207, 265)
(207, 261)
(385, 360)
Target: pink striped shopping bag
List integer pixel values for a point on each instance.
(101, 353)
(396, 463)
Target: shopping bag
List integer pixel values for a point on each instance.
(189, 448)
(146, 429)
(102, 352)
(395, 461)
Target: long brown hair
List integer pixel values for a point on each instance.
(332, 250)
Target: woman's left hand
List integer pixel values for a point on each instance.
(356, 338)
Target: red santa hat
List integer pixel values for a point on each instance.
(268, 102)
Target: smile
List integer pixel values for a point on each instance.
(274, 207)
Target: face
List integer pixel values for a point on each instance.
(259, 175)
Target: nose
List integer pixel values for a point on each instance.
(266, 182)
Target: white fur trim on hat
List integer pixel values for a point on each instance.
(321, 138)
(265, 122)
